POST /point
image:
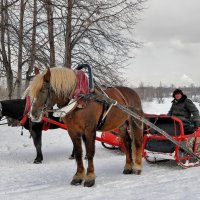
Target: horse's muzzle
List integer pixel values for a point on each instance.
(36, 118)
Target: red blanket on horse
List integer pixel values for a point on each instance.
(82, 85)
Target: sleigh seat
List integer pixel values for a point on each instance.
(156, 147)
(156, 141)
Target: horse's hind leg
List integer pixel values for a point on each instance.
(136, 129)
(123, 132)
(90, 151)
(80, 173)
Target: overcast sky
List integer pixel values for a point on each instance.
(170, 32)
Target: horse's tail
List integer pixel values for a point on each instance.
(136, 134)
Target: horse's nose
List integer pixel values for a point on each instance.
(36, 116)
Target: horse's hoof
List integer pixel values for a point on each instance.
(127, 171)
(71, 157)
(37, 161)
(137, 171)
(89, 183)
(76, 182)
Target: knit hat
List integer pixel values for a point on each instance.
(177, 91)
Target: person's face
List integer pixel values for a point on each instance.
(178, 96)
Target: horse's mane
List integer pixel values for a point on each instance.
(62, 81)
(25, 93)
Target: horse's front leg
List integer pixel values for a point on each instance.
(80, 173)
(71, 157)
(36, 133)
(90, 151)
(72, 154)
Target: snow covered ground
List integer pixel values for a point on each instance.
(20, 179)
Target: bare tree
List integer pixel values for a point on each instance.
(5, 51)
(33, 45)
(49, 33)
(48, 5)
(20, 49)
(159, 94)
(68, 34)
(102, 35)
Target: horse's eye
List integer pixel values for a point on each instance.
(43, 91)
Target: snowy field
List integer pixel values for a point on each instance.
(22, 180)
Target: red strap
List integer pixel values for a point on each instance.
(26, 111)
(23, 120)
(28, 105)
(51, 121)
(46, 126)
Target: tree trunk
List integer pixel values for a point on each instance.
(68, 50)
(33, 47)
(5, 56)
(50, 32)
(20, 50)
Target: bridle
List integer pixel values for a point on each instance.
(44, 110)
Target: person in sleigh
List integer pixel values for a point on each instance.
(185, 109)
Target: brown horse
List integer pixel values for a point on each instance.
(56, 85)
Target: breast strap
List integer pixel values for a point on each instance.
(105, 111)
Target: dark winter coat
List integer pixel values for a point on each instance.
(185, 110)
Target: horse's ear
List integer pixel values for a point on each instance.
(36, 71)
(47, 75)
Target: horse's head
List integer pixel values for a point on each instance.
(50, 88)
(41, 92)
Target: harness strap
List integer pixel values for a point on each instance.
(107, 109)
(23, 120)
(126, 103)
(26, 111)
(102, 117)
(122, 96)
(46, 124)
(28, 105)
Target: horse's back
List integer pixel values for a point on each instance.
(127, 95)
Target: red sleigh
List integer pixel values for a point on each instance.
(157, 147)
